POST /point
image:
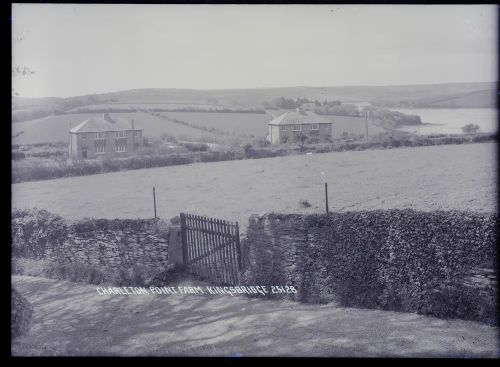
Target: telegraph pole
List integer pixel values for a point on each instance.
(366, 124)
(326, 197)
(154, 200)
(133, 137)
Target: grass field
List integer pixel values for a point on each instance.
(256, 124)
(152, 105)
(239, 123)
(55, 128)
(457, 177)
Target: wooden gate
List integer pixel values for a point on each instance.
(211, 248)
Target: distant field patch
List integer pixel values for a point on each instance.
(56, 128)
(239, 123)
(353, 125)
(150, 105)
(48, 129)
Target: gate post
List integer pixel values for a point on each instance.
(238, 248)
(184, 239)
(175, 246)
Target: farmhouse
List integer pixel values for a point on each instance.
(295, 125)
(104, 137)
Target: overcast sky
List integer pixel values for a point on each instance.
(84, 49)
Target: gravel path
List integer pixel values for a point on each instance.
(72, 319)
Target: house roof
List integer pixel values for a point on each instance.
(303, 117)
(105, 123)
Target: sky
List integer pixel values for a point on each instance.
(78, 49)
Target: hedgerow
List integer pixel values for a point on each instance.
(402, 260)
(34, 229)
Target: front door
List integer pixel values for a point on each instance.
(84, 153)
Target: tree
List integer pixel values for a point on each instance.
(470, 129)
(19, 71)
(301, 138)
(248, 149)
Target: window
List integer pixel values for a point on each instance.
(121, 134)
(314, 127)
(84, 136)
(136, 134)
(283, 128)
(121, 148)
(99, 149)
(297, 127)
(99, 135)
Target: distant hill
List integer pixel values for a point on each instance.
(474, 99)
(430, 95)
(251, 97)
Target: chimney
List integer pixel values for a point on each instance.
(107, 117)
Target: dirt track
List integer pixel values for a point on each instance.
(72, 319)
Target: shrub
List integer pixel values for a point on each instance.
(470, 128)
(196, 147)
(33, 229)
(249, 151)
(305, 203)
(16, 154)
(30, 267)
(21, 314)
(77, 272)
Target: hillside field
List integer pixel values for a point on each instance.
(55, 128)
(238, 123)
(459, 177)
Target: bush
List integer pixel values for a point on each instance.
(21, 314)
(470, 129)
(195, 147)
(305, 203)
(16, 154)
(33, 229)
(77, 272)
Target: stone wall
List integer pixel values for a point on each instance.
(112, 249)
(109, 244)
(402, 260)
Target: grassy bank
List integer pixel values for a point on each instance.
(49, 161)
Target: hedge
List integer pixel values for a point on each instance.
(33, 229)
(402, 260)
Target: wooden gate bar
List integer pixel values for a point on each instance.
(238, 246)
(218, 242)
(211, 248)
(231, 253)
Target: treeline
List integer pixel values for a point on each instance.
(291, 103)
(338, 110)
(193, 126)
(391, 119)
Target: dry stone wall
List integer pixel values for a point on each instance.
(110, 244)
(403, 260)
(112, 249)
